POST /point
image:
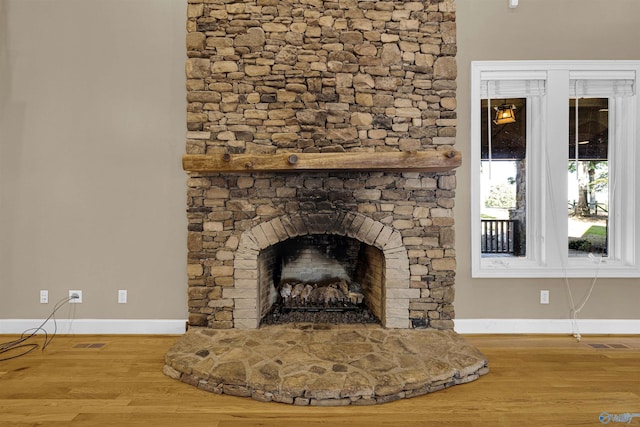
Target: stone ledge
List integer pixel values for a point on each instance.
(323, 365)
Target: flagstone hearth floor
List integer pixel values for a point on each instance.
(311, 364)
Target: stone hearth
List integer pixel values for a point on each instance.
(324, 365)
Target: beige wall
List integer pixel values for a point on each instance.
(537, 29)
(92, 194)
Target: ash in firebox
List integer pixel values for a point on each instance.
(330, 301)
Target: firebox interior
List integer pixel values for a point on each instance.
(321, 278)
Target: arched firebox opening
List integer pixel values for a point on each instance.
(381, 269)
(326, 278)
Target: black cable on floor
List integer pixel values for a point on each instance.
(21, 343)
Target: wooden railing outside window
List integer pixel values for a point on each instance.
(500, 236)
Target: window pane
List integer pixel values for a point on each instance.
(588, 189)
(503, 178)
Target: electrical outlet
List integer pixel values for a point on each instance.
(122, 296)
(44, 296)
(75, 297)
(544, 297)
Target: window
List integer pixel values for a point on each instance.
(554, 162)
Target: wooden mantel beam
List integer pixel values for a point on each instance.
(422, 161)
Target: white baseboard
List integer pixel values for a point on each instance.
(462, 326)
(547, 326)
(97, 326)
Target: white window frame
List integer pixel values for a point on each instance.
(547, 123)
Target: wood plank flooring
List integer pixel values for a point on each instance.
(534, 381)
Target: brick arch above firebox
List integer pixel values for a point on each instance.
(354, 225)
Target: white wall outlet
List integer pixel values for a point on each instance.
(544, 297)
(122, 296)
(44, 296)
(75, 297)
(513, 4)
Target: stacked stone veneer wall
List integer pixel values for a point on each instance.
(268, 76)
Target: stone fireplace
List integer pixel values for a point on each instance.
(321, 162)
(394, 219)
(325, 118)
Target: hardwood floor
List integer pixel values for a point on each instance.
(534, 381)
